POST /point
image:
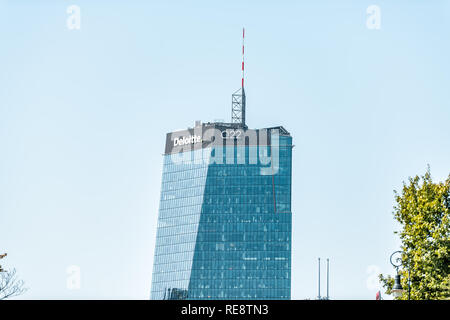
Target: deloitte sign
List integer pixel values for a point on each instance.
(186, 140)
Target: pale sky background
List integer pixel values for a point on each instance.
(84, 113)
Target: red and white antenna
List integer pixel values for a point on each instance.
(243, 38)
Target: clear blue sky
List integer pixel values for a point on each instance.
(84, 113)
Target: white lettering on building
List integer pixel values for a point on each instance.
(186, 140)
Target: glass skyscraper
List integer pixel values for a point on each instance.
(224, 225)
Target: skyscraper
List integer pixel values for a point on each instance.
(224, 225)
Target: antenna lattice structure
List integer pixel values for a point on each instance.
(238, 98)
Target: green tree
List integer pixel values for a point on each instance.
(422, 209)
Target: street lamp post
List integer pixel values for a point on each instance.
(396, 261)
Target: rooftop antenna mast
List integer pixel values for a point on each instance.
(328, 278)
(238, 98)
(319, 297)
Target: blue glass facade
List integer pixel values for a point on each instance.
(224, 227)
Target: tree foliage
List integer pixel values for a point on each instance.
(10, 285)
(422, 209)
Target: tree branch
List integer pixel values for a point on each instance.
(10, 286)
